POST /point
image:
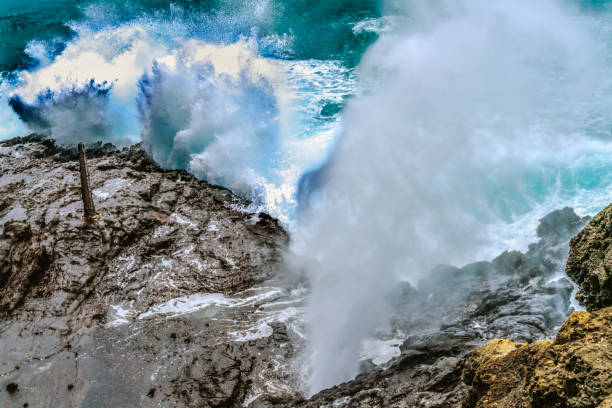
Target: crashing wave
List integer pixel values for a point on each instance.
(221, 110)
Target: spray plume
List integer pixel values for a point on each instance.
(466, 118)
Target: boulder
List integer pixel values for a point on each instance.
(572, 371)
(590, 262)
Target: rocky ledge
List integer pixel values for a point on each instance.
(574, 370)
(90, 315)
(590, 262)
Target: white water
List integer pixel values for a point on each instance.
(219, 110)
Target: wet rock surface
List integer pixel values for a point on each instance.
(590, 262)
(159, 303)
(520, 296)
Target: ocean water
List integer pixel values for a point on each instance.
(387, 135)
(319, 31)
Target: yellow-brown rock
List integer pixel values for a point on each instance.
(573, 370)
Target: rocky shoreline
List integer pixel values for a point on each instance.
(87, 310)
(517, 296)
(178, 296)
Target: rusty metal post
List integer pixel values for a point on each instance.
(88, 204)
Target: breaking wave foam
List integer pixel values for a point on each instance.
(218, 109)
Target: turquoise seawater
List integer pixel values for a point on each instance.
(318, 29)
(22, 22)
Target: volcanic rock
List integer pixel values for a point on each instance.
(574, 370)
(163, 292)
(590, 262)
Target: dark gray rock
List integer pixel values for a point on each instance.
(88, 313)
(590, 262)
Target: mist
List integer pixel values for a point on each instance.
(473, 115)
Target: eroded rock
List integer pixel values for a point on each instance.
(590, 262)
(152, 224)
(100, 315)
(573, 370)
